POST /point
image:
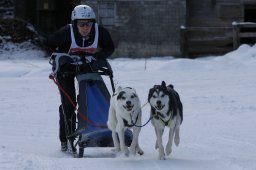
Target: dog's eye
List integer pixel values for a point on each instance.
(154, 96)
(133, 96)
(162, 95)
(123, 98)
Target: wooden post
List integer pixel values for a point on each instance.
(236, 38)
(183, 42)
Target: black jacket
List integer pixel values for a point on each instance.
(60, 41)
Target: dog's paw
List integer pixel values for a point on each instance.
(122, 154)
(133, 150)
(168, 150)
(126, 154)
(161, 157)
(126, 151)
(137, 149)
(177, 140)
(140, 152)
(156, 145)
(116, 149)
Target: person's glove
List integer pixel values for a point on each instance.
(76, 60)
(89, 59)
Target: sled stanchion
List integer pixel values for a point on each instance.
(80, 151)
(112, 83)
(74, 105)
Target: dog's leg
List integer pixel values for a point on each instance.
(159, 135)
(116, 142)
(156, 144)
(121, 136)
(177, 131)
(168, 148)
(135, 142)
(177, 136)
(112, 123)
(139, 150)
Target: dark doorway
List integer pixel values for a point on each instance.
(250, 13)
(53, 14)
(249, 16)
(63, 12)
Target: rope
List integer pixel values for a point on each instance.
(85, 118)
(134, 124)
(144, 124)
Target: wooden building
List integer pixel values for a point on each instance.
(143, 28)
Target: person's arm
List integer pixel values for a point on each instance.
(58, 41)
(106, 45)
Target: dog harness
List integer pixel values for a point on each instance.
(89, 49)
(133, 123)
(158, 115)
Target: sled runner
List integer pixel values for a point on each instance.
(93, 102)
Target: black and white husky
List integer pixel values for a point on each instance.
(125, 112)
(166, 110)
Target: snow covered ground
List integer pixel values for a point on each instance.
(218, 132)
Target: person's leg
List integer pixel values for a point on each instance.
(62, 131)
(67, 110)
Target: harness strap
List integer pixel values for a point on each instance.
(165, 123)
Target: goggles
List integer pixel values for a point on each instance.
(83, 23)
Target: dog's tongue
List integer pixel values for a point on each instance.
(128, 108)
(159, 107)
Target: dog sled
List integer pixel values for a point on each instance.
(93, 102)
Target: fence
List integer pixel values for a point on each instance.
(215, 40)
(243, 30)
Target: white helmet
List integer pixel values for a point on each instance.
(82, 12)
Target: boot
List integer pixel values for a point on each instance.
(64, 146)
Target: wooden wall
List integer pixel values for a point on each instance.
(209, 29)
(142, 28)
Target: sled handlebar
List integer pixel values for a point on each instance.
(102, 71)
(75, 65)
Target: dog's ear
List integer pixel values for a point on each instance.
(120, 95)
(150, 93)
(171, 86)
(163, 84)
(119, 88)
(134, 91)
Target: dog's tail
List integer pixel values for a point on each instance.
(180, 106)
(177, 104)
